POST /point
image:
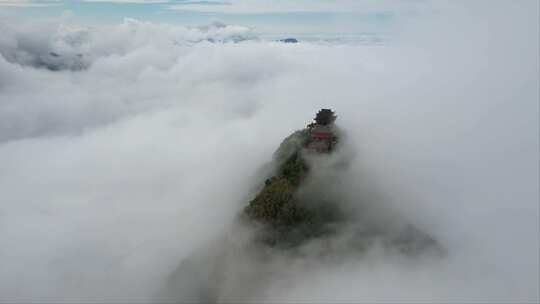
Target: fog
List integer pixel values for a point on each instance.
(117, 164)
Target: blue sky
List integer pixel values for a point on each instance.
(278, 16)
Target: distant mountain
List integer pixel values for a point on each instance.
(289, 40)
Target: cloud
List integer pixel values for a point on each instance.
(309, 6)
(29, 3)
(132, 46)
(61, 47)
(255, 6)
(113, 174)
(130, 1)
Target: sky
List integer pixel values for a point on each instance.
(280, 17)
(132, 135)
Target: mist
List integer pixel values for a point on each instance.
(118, 164)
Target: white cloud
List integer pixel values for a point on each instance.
(37, 3)
(130, 1)
(29, 3)
(284, 6)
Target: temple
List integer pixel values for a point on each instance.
(322, 134)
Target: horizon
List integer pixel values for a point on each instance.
(302, 18)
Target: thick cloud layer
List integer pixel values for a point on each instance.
(112, 174)
(59, 46)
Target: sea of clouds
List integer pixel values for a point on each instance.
(124, 148)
